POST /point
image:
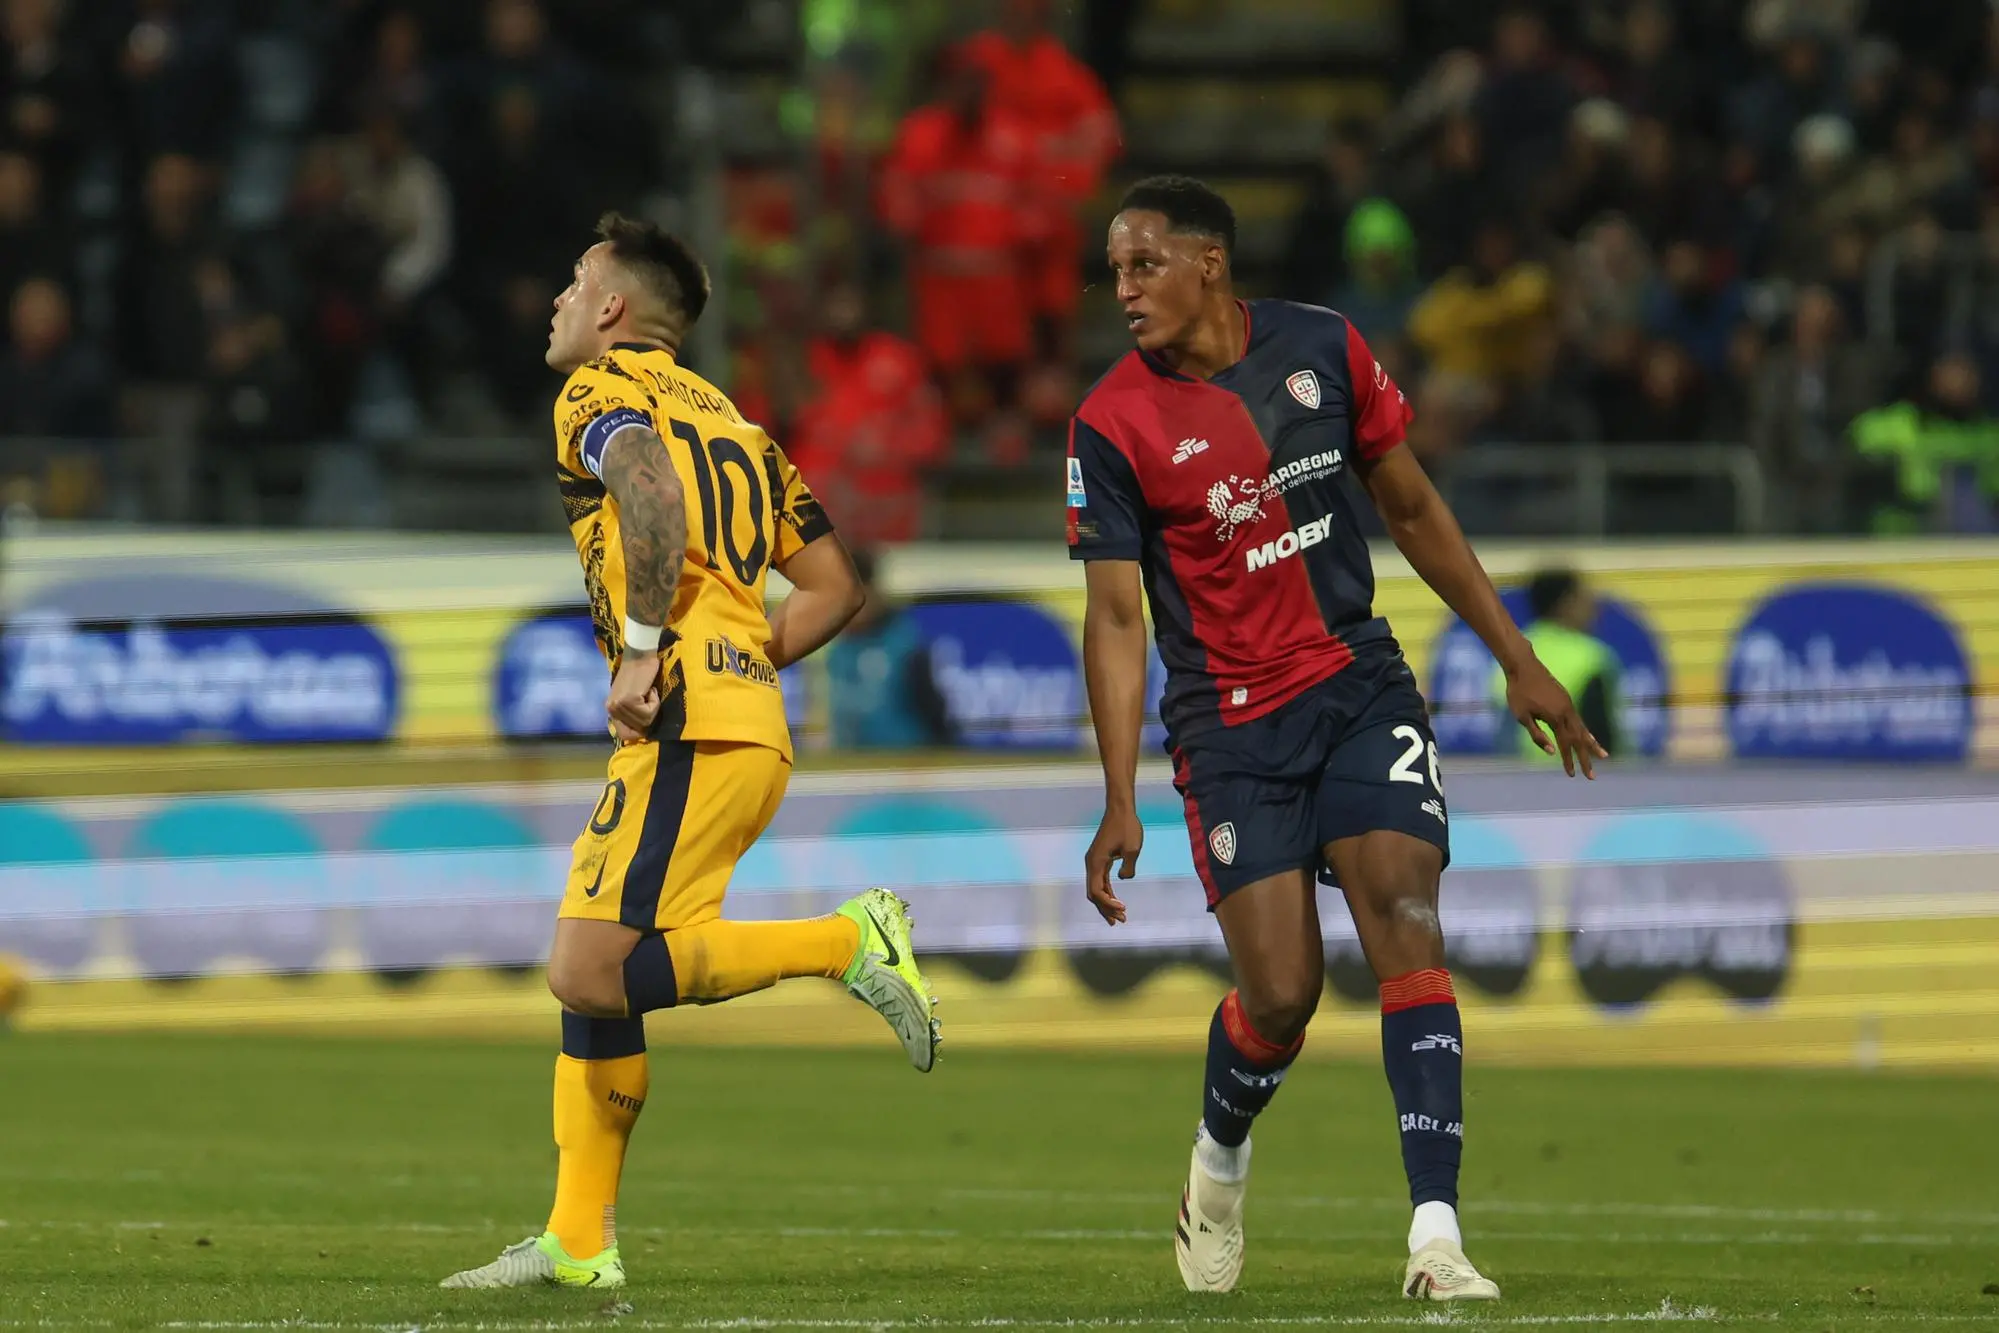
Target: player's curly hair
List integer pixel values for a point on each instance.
(662, 260)
(1188, 205)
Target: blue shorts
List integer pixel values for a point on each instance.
(1351, 755)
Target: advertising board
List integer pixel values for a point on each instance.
(1849, 671)
(1876, 651)
(1461, 688)
(1785, 917)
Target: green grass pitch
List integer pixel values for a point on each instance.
(258, 1182)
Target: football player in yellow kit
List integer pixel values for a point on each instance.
(680, 509)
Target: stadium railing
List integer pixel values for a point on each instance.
(495, 485)
(1594, 478)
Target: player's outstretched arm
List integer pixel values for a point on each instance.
(1426, 532)
(825, 594)
(652, 515)
(1114, 672)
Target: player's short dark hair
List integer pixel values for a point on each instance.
(661, 260)
(1548, 589)
(1189, 206)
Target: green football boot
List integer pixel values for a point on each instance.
(884, 975)
(540, 1261)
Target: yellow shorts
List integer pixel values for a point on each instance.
(673, 820)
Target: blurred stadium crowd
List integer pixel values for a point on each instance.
(291, 261)
(228, 229)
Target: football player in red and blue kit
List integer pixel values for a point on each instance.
(1212, 468)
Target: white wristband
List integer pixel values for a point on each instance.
(644, 638)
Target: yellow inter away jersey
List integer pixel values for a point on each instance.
(747, 509)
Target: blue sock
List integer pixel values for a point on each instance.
(1243, 1073)
(1422, 1050)
(602, 1038)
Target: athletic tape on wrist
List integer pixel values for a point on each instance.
(642, 637)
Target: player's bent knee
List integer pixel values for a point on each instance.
(1280, 1009)
(586, 966)
(587, 992)
(587, 982)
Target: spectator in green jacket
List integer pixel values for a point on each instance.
(1382, 286)
(1938, 455)
(1563, 612)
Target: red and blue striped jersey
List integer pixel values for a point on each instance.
(1233, 495)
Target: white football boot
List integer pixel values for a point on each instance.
(1207, 1238)
(1440, 1272)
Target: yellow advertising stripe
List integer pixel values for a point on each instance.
(1688, 1023)
(447, 660)
(1705, 1045)
(56, 772)
(1550, 1014)
(1930, 958)
(416, 1011)
(70, 771)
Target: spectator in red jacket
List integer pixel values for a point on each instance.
(1033, 77)
(959, 187)
(870, 425)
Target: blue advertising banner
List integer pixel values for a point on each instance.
(550, 681)
(1008, 672)
(1848, 671)
(308, 678)
(1464, 704)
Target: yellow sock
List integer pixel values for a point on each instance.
(721, 959)
(596, 1104)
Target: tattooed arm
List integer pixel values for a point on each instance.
(652, 514)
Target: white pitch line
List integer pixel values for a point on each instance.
(1666, 1313)
(1473, 1207)
(1937, 1240)
(1713, 1212)
(749, 1324)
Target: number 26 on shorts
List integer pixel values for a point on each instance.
(1405, 769)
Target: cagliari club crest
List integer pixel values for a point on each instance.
(1304, 386)
(1222, 842)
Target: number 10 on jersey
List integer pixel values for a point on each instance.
(731, 489)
